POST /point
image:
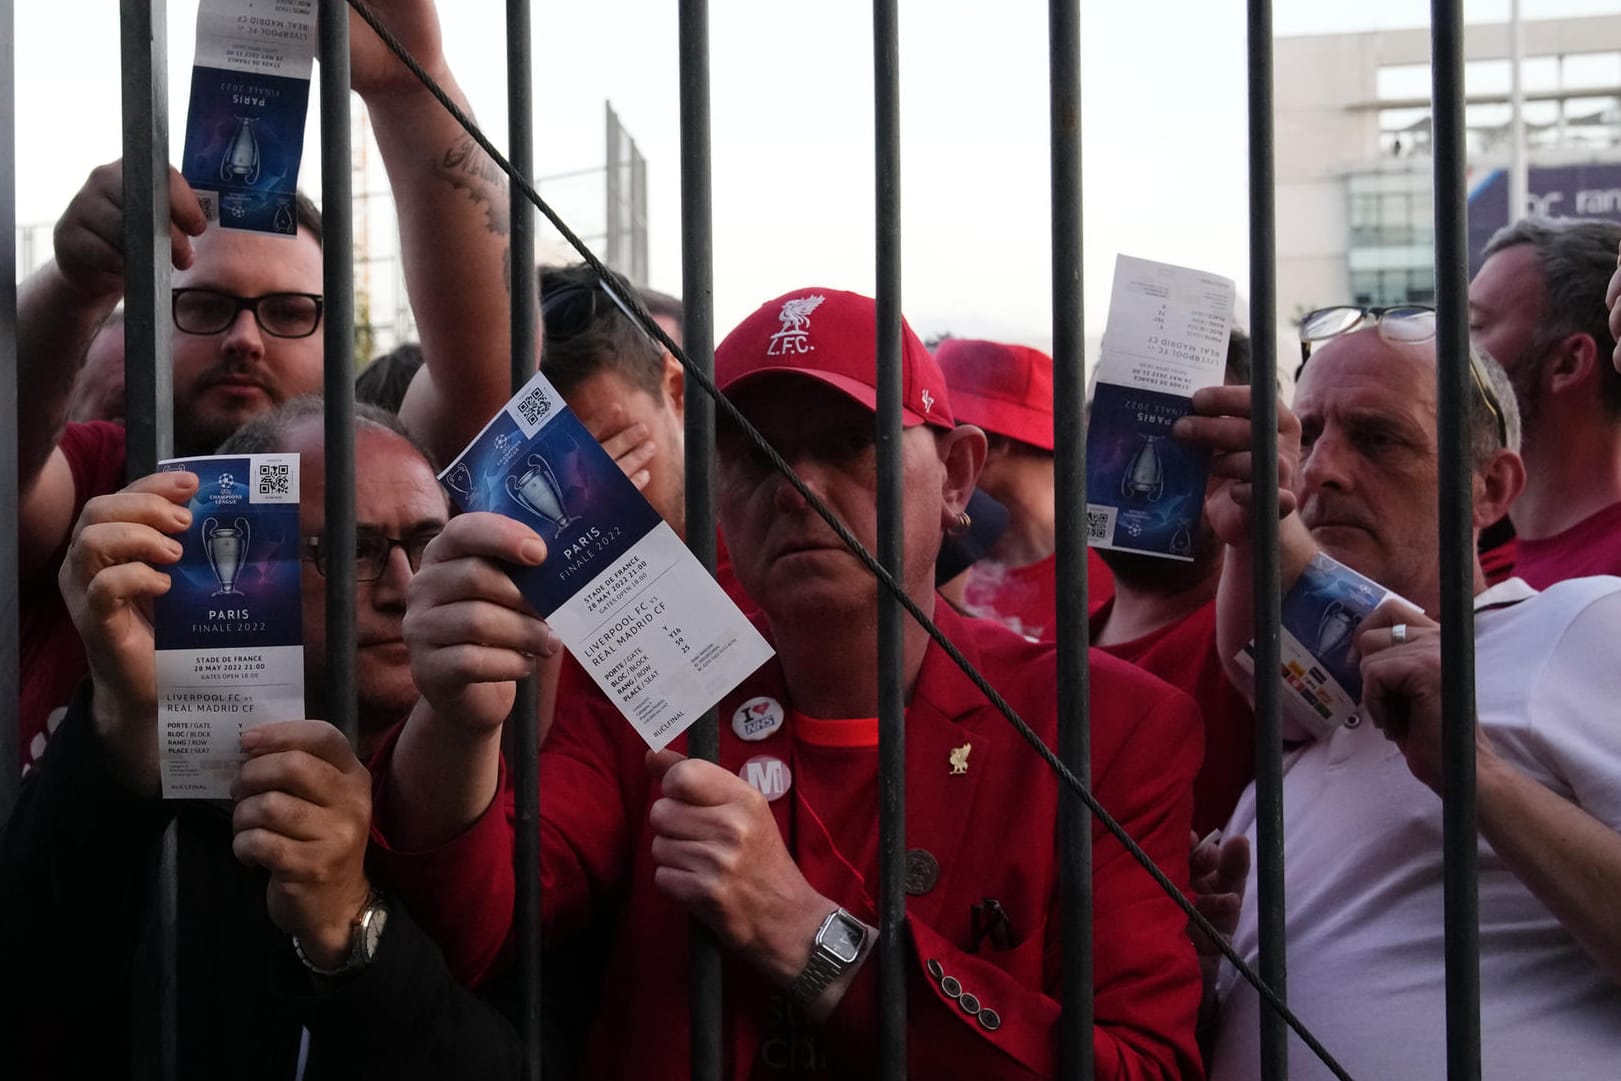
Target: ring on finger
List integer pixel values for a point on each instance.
(1398, 634)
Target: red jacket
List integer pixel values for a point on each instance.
(991, 830)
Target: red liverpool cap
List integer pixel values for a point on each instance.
(832, 336)
(1005, 389)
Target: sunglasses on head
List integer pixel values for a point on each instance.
(1406, 324)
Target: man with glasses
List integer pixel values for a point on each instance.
(1537, 306)
(1363, 860)
(247, 321)
(276, 884)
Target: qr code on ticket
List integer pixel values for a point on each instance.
(535, 406)
(1100, 524)
(275, 481)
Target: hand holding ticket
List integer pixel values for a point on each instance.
(228, 632)
(631, 603)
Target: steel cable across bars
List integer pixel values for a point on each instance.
(1064, 774)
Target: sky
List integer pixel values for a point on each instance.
(1164, 120)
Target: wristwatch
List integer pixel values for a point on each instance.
(837, 945)
(365, 935)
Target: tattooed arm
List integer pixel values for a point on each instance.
(454, 230)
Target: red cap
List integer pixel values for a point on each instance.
(832, 336)
(1005, 389)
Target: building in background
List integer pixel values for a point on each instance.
(1355, 205)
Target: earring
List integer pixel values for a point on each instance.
(961, 526)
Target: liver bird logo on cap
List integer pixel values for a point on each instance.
(795, 316)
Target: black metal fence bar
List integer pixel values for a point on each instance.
(524, 719)
(698, 340)
(338, 281)
(1069, 434)
(149, 436)
(10, 555)
(891, 954)
(1453, 387)
(148, 371)
(1274, 1048)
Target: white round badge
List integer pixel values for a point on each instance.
(757, 719)
(768, 775)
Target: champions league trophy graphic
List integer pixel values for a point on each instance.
(1182, 541)
(227, 549)
(540, 494)
(1145, 475)
(241, 161)
(1334, 629)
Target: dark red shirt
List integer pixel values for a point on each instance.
(53, 660)
(1591, 546)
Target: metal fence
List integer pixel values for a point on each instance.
(148, 329)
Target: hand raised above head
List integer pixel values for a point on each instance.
(89, 236)
(373, 68)
(108, 581)
(470, 632)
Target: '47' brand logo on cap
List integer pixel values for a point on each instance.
(794, 337)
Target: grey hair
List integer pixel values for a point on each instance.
(267, 433)
(1577, 257)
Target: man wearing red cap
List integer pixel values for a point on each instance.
(1008, 391)
(776, 847)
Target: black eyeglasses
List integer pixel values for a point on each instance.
(373, 549)
(281, 315)
(1407, 324)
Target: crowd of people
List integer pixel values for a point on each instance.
(350, 911)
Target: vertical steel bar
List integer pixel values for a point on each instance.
(1459, 839)
(1269, 854)
(342, 709)
(891, 694)
(524, 720)
(698, 339)
(10, 586)
(149, 436)
(148, 373)
(1069, 443)
(614, 191)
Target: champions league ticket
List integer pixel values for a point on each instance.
(1166, 338)
(250, 91)
(1322, 675)
(229, 633)
(630, 602)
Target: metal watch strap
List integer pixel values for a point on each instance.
(356, 959)
(821, 969)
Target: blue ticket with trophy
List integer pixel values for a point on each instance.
(1166, 338)
(229, 632)
(633, 605)
(250, 91)
(1322, 673)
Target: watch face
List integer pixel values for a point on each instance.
(844, 937)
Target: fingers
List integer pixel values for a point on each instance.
(316, 738)
(701, 784)
(488, 536)
(157, 500)
(1376, 631)
(297, 773)
(186, 219)
(659, 762)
